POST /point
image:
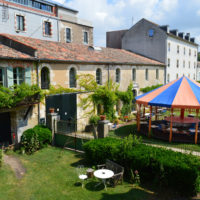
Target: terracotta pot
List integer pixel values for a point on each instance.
(102, 117)
(51, 110)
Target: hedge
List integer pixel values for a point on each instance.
(161, 167)
(1, 157)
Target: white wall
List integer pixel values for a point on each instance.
(174, 56)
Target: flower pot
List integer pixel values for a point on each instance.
(102, 117)
(51, 110)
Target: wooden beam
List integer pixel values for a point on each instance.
(182, 113)
(156, 113)
(170, 134)
(138, 117)
(150, 121)
(143, 110)
(196, 128)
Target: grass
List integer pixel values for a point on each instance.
(126, 130)
(51, 174)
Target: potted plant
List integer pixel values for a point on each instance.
(51, 110)
(102, 117)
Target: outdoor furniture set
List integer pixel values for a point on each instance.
(109, 171)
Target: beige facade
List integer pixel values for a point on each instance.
(59, 75)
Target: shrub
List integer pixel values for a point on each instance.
(161, 167)
(44, 135)
(1, 157)
(29, 141)
(35, 138)
(94, 119)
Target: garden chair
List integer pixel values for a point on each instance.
(81, 174)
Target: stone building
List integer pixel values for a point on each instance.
(44, 20)
(56, 63)
(176, 49)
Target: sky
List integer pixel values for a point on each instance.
(110, 15)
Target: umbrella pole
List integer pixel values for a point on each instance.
(156, 113)
(138, 117)
(143, 110)
(170, 134)
(197, 124)
(150, 121)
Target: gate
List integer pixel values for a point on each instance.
(66, 106)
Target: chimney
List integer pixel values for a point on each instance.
(187, 37)
(165, 28)
(181, 35)
(174, 32)
(192, 40)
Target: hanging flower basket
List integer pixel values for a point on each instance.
(51, 110)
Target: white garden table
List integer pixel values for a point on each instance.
(103, 174)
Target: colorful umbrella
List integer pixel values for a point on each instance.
(181, 93)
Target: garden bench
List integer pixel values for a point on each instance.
(116, 168)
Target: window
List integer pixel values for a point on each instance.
(176, 76)
(177, 63)
(188, 75)
(117, 75)
(47, 28)
(168, 64)
(157, 74)
(189, 52)
(68, 35)
(99, 76)
(133, 74)
(194, 76)
(18, 75)
(177, 49)
(184, 51)
(146, 74)
(194, 65)
(189, 64)
(1, 76)
(151, 32)
(20, 23)
(85, 37)
(168, 46)
(184, 64)
(195, 53)
(72, 78)
(45, 78)
(168, 78)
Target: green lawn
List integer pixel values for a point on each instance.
(126, 130)
(51, 175)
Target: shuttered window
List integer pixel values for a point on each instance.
(18, 75)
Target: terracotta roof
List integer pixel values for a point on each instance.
(7, 52)
(57, 51)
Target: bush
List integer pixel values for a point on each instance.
(1, 157)
(161, 167)
(35, 138)
(94, 119)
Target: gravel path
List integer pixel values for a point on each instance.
(15, 165)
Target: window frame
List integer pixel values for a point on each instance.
(157, 74)
(87, 38)
(178, 49)
(99, 76)
(169, 47)
(20, 71)
(134, 74)
(20, 23)
(168, 62)
(45, 84)
(2, 76)
(72, 80)
(68, 40)
(117, 75)
(49, 34)
(151, 32)
(146, 74)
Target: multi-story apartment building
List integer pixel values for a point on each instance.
(44, 20)
(177, 50)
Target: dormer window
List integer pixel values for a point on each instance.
(151, 32)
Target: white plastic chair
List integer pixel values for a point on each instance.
(81, 174)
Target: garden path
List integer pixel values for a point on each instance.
(15, 165)
(194, 153)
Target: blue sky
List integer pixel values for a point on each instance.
(108, 15)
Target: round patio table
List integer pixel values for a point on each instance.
(103, 174)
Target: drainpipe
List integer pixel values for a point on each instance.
(37, 72)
